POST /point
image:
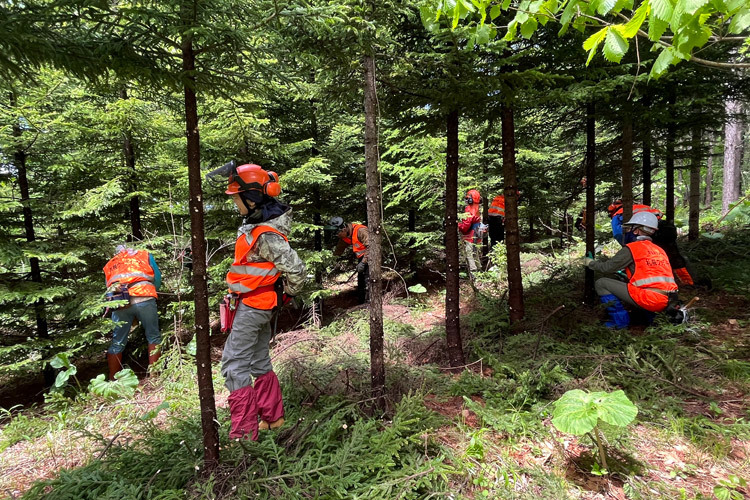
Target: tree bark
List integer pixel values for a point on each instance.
(512, 236)
(19, 161)
(128, 151)
(669, 161)
(708, 197)
(452, 325)
(732, 154)
(200, 284)
(589, 292)
(646, 172)
(374, 250)
(627, 166)
(695, 185)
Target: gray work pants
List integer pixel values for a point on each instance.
(246, 352)
(609, 286)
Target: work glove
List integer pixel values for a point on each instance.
(361, 266)
(588, 259)
(475, 219)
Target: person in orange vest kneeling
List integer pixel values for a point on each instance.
(132, 275)
(496, 220)
(262, 254)
(356, 236)
(651, 283)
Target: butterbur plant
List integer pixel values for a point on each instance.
(578, 412)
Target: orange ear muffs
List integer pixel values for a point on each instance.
(272, 187)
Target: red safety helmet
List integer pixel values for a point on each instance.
(473, 197)
(252, 177)
(614, 207)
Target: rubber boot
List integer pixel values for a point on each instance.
(243, 411)
(154, 353)
(619, 317)
(270, 404)
(115, 364)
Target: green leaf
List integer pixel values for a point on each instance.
(740, 21)
(604, 6)
(528, 28)
(691, 6)
(631, 27)
(506, 4)
(662, 63)
(575, 413)
(615, 408)
(123, 386)
(483, 34)
(594, 40)
(568, 13)
(662, 9)
(615, 46)
(494, 12)
(418, 288)
(656, 28)
(60, 360)
(456, 15)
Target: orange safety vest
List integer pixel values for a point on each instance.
(642, 208)
(652, 279)
(359, 249)
(498, 206)
(128, 269)
(254, 281)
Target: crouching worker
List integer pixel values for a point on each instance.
(261, 256)
(133, 275)
(357, 237)
(650, 284)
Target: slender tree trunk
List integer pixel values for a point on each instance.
(695, 185)
(512, 236)
(589, 292)
(708, 196)
(19, 161)
(452, 325)
(486, 159)
(669, 161)
(732, 155)
(200, 284)
(646, 172)
(627, 166)
(128, 151)
(317, 221)
(374, 250)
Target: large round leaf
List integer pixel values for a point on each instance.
(615, 408)
(575, 413)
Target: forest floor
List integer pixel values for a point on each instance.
(482, 433)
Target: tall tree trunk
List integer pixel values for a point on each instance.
(646, 172)
(452, 325)
(708, 197)
(486, 158)
(200, 284)
(589, 292)
(732, 154)
(128, 151)
(19, 161)
(695, 185)
(374, 250)
(627, 166)
(317, 221)
(669, 160)
(512, 237)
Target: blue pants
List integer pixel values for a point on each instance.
(148, 316)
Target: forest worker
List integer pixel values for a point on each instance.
(496, 220)
(469, 227)
(665, 237)
(356, 236)
(261, 256)
(650, 284)
(133, 275)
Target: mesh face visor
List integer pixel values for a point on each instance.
(220, 177)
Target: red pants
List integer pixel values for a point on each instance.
(249, 403)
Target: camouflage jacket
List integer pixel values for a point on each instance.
(273, 248)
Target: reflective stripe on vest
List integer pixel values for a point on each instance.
(498, 206)
(357, 247)
(133, 271)
(255, 279)
(652, 279)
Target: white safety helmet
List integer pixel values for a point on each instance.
(645, 219)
